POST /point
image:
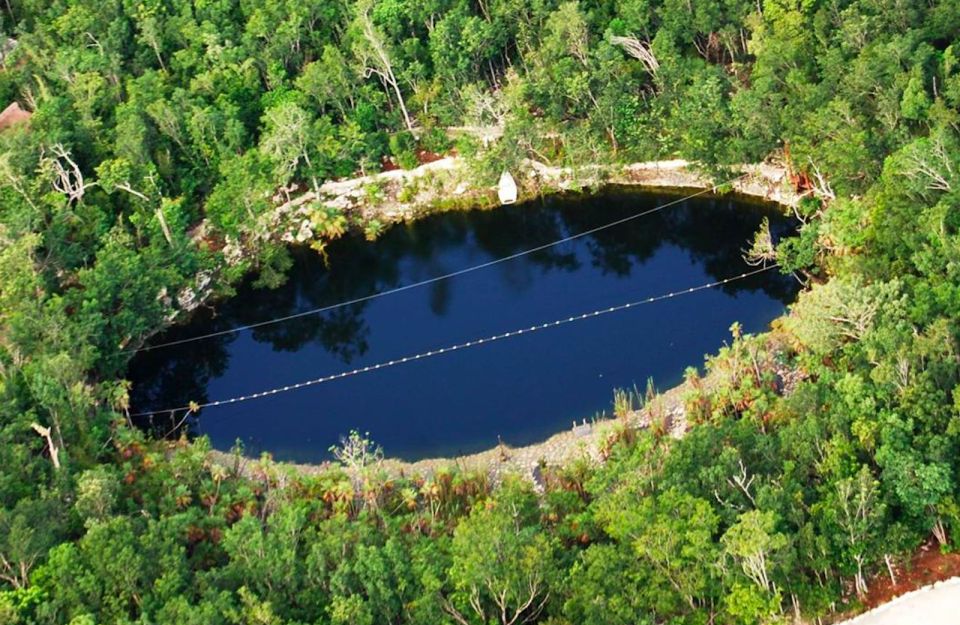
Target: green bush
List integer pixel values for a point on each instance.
(403, 146)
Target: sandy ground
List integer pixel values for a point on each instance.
(938, 604)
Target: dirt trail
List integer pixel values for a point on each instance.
(342, 187)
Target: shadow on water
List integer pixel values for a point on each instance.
(684, 245)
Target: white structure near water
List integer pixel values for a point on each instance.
(507, 189)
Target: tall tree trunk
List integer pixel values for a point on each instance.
(383, 65)
(163, 226)
(51, 447)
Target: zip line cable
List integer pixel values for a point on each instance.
(446, 276)
(194, 407)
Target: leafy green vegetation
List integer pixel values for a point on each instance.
(162, 135)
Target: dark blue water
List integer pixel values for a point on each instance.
(523, 389)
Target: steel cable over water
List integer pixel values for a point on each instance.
(414, 285)
(451, 348)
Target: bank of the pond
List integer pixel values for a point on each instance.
(588, 440)
(584, 440)
(402, 195)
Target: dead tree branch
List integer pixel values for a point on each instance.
(45, 433)
(638, 50)
(68, 179)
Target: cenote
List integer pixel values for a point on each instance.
(520, 390)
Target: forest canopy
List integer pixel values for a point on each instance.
(159, 131)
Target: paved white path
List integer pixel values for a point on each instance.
(938, 604)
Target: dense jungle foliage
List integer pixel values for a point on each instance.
(151, 116)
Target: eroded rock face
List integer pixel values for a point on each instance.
(190, 298)
(305, 233)
(13, 115)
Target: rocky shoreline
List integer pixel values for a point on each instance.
(402, 195)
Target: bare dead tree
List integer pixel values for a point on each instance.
(16, 573)
(940, 531)
(377, 62)
(149, 31)
(168, 121)
(484, 9)
(95, 43)
(743, 481)
(855, 319)
(890, 569)
(638, 50)
(8, 46)
(125, 186)
(67, 177)
(820, 183)
(54, 452)
(486, 115)
(528, 609)
(936, 168)
(357, 453)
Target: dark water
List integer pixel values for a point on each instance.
(522, 389)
